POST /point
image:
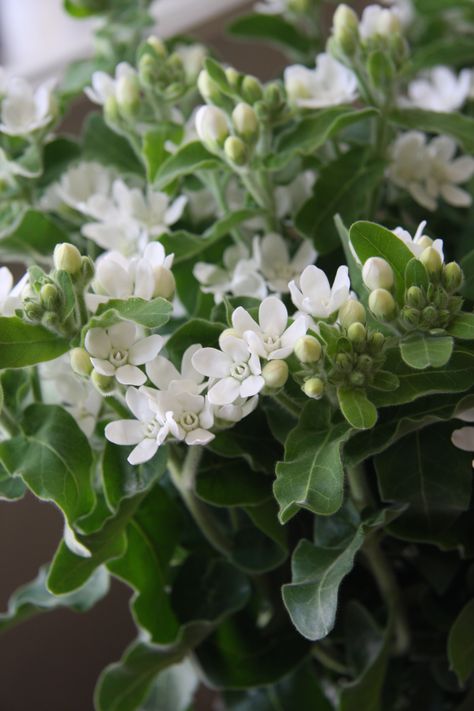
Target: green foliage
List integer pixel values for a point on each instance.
(23, 344)
(460, 645)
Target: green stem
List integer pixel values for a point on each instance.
(8, 423)
(328, 661)
(36, 385)
(379, 566)
(288, 404)
(183, 478)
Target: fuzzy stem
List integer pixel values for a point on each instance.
(287, 404)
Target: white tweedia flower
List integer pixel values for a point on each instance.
(429, 171)
(82, 183)
(440, 89)
(61, 386)
(164, 375)
(329, 84)
(236, 370)
(10, 296)
(419, 242)
(192, 56)
(270, 338)
(274, 262)
(25, 110)
(118, 350)
(378, 21)
(315, 295)
(188, 416)
(289, 198)
(148, 431)
(230, 414)
(239, 276)
(103, 85)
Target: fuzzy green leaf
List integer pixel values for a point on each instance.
(23, 344)
(421, 350)
(273, 28)
(187, 160)
(359, 412)
(462, 327)
(151, 314)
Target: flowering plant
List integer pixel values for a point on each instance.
(239, 356)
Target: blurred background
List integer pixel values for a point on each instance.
(51, 662)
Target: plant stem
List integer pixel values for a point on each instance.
(8, 423)
(328, 661)
(183, 478)
(379, 566)
(288, 404)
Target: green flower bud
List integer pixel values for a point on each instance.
(87, 269)
(235, 150)
(351, 312)
(103, 383)
(233, 77)
(208, 87)
(377, 274)
(273, 95)
(429, 316)
(410, 317)
(50, 320)
(251, 89)
(455, 304)
(345, 27)
(380, 69)
(382, 304)
(33, 310)
(157, 45)
(357, 378)
(376, 342)
(365, 363)
(431, 258)
(275, 374)
(314, 388)
(357, 333)
(245, 121)
(398, 49)
(50, 297)
(67, 258)
(111, 110)
(128, 95)
(452, 276)
(343, 362)
(415, 297)
(80, 361)
(211, 126)
(165, 284)
(308, 349)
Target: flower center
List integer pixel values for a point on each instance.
(284, 270)
(240, 371)
(271, 343)
(189, 421)
(151, 429)
(118, 357)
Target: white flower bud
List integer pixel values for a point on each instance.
(346, 29)
(352, 311)
(425, 242)
(67, 258)
(128, 94)
(235, 150)
(308, 349)
(245, 121)
(80, 361)
(165, 284)
(382, 304)
(275, 374)
(431, 258)
(377, 274)
(207, 87)
(314, 388)
(211, 125)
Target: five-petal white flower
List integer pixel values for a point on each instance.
(164, 375)
(440, 89)
(239, 276)
(103, 85)
(329, 84)
(273, 259)
(24, 110)
(188, 416)
(10, 296)
(118, 350)
(315, 295)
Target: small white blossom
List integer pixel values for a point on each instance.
(289, 198)
(440, 89)
(273, 259)
(10, 296)
(235, 369)
(164, 375)
(419, 242)
(192, 56)
(377, 21)
(329, 84)
(118, 350)
(104, 86)
(188, 416)
(238, 277)
(24, 110)
(238, 410)
(270, 338)
(80, 184)
(315, 296)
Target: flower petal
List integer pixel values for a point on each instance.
(198, 436)
(143, 451)
(104, 367)
(464, 439)
(145, 350)
(161, 372)
(130, 375)
(273, 316)
(123, 334)
(251, 385)
(124, 432)
(97, 343)
(224, 392)
(212, 362)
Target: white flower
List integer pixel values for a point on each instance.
(188, 416)
(103, 85)
(82, 183)
(404, 9)
(273, 259)
(192, 56)
(25, 110)
(236, 370)
(148, 431)
(230, 414)
(118, 350)
(378, 21)
(270, 338)
(238, 277)
(315, 295)
(419, 242)
(429, 171)
(10, 296)
(164, 375)
(440, 89)
(330, 84)
(289, 198)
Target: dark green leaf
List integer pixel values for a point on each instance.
(154, 151)
(416, 274)
(173, 690)
(231, 483)
(462, 327)
(194, 331)
(461, 643)
(356, 408)
(23, 344)
(33, 237)
(122, 480)
(102, 144)
(422, 350)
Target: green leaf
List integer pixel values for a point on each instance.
(416, 274)
(355, 272)
(383, 380)
(154, 151)
(454, 124)
(461, 643)
(251, 440)
(54, 459)
(343, 186)
(58, 155)
(23, 344)
(187, 160)
(231, 483)
(79, 10)
(356, 408)
(122, 480)
(371, 240)
(312, 132)
(12, 488)
(33, 238)
(173, 689)
(273, 28)
(311, 475)
(34, 598)
(195, 331)
(151, 314)
(259, 544)
(420, 350)
(462, 327)
(448, 51)
(102, 144)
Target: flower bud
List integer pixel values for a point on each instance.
(314, 388)
(111, 109)
(357, 378)
(128, 94)
(382, 304)
(80, 361)
(308, 349)
(344, 362)
(50, 297)
(211, 125)
(357, 333)
(251, 89)
(103, 383)
(273, 95)
(345, 26)
(377, 274)
(148, 69)
(376, 342)
(380, 69)
(233, 77)
(452, 276)
(208, 87)
(67, 258)
(365, 363)
(245, 121)
(429, 316)
(87, 269)
(425, 242)
(415, 297)
(33, 311)
(235, 150)
(165, 284)
(275, 374)
(410, 317)
(351, 312)
(157, 45)
(431, 258)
